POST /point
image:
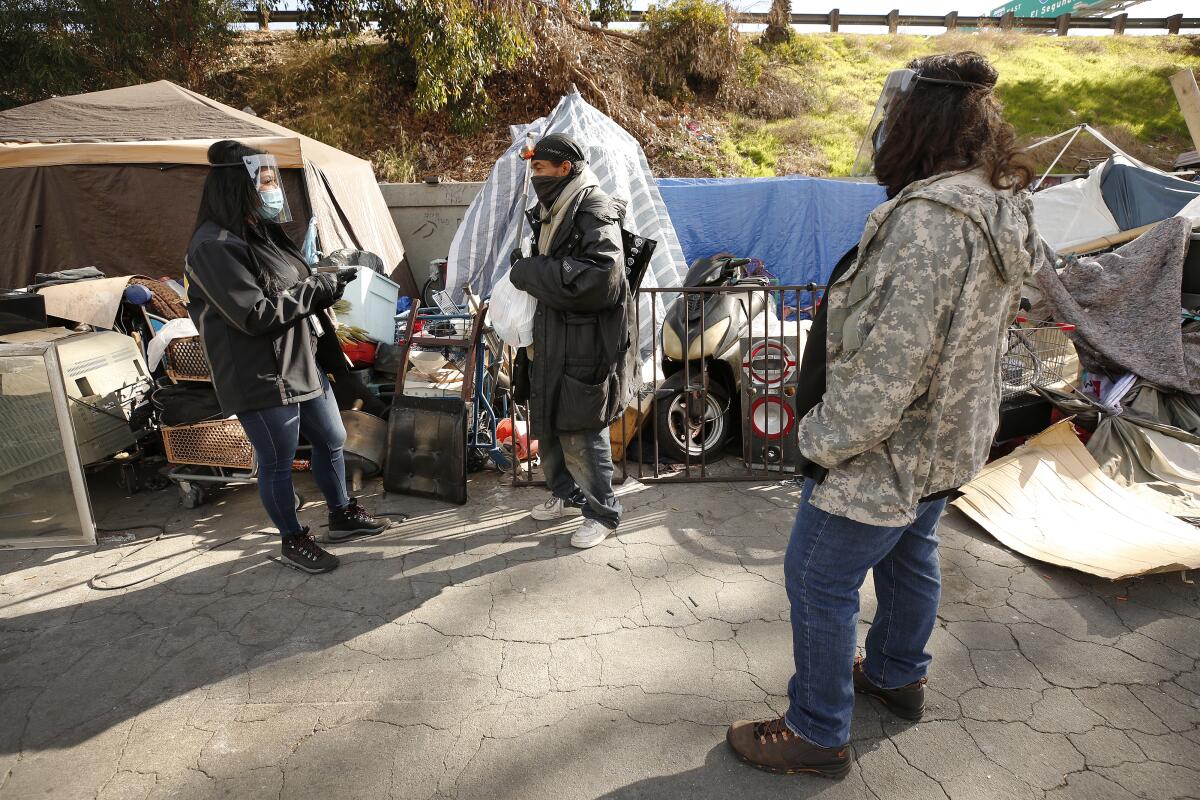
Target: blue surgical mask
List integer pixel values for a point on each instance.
(272, 203)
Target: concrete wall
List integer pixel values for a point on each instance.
(427, 215)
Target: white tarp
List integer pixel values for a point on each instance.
(1074, 212)
(495, 222)
(1049, 500)
(1191, 211)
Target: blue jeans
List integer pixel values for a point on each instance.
(826, 563)
(275, 433)
(578, 468)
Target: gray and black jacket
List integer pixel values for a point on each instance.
(584, 366)
(261, 348)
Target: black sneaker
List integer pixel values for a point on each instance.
(301, 551)
(353, 520)
(906, 702)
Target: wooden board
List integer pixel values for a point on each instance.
(1188, 95)
(625, 429)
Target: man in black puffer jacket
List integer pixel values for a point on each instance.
(582, 366)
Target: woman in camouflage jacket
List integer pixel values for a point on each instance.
(915, 333)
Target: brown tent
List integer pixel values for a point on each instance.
(112, 179)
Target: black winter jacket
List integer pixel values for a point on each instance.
(261, 348)
(582, 375)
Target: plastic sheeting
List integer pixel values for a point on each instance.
(1049, 500)
(495, 222)
(1119, 195)
(1073, 213)
(1158, 462)
(799, 227)
(1151, 447)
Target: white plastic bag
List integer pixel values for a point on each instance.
(511, 313)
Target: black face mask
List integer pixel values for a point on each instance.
(549, 187)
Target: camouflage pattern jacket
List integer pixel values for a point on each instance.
(917, 328)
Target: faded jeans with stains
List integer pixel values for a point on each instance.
(578, 468)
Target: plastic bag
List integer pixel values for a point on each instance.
(309, 250)
(511, 313)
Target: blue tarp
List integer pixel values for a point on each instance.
(1138, 197)
(799, 227)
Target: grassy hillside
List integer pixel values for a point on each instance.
(1048, 84)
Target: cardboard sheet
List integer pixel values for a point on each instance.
(95, 302)
(1049, 500)
(37, 336)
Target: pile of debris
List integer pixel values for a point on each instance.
(1111, 487)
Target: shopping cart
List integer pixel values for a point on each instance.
(207, 454)
(1036, 357)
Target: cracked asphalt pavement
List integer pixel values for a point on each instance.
(471, 653)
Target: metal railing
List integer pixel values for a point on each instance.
(704, 403)
(894, 20)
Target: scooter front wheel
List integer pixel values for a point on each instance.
(692, 429)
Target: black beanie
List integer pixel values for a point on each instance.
(558, 147)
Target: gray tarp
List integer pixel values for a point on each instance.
(1125, 306)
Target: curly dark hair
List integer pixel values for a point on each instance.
(946, 127)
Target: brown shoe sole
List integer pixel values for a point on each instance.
(903, 713)
(912, 715)
(833, 773)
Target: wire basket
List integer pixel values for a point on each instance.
(221, 443)
(1036, 356)
(185, 360)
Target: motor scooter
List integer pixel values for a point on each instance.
(697, 402)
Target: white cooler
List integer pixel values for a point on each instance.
(372, 298)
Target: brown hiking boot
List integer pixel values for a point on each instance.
(907, 702)
(770, 745)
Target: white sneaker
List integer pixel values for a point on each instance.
(589, 534)
(554, 508)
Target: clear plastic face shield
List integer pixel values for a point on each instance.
(897, 89)
(268, 182)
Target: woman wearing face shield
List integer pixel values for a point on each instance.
(261, 311)
(906, 365)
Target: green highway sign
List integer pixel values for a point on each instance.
(1042, 8)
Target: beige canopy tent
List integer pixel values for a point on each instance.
(112, 179)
